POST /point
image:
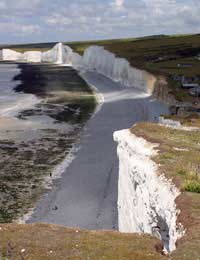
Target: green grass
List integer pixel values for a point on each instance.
(49, 242)
(141, 51)
(192, 186)
(178, 155)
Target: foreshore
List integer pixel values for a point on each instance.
(35, 141)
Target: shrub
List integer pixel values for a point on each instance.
(182, 172)
(192, 186)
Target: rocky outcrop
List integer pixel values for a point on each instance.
(161, 91)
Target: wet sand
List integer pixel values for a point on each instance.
(86, 195)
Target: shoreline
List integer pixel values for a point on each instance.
(59, 169)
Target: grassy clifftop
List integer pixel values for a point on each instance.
(42, 241)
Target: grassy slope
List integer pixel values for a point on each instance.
(182, 166)
(141, 51)
(42, 242)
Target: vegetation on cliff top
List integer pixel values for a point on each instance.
(178, 155)
(41, 241)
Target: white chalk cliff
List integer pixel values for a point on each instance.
(146, 201)
(62, 54)
(55, 55)
(31, 56)
(59, 54)
(118, 69)
(94, 58)
(9, 55)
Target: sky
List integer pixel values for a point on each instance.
(28, 21)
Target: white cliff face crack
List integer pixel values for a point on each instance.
(146, 201)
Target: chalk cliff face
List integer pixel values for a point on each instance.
(31, 56)
(55, 55)
(94, 58)
(146, 201)
(118, 69)
(10, 55)
(59, 54)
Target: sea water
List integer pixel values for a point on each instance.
(11, 102)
